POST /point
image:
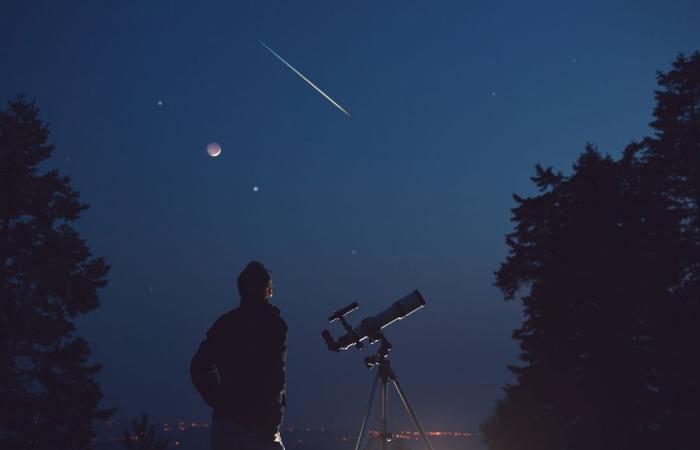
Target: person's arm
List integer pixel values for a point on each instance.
(279, 379)
(204, 374)
(274, 355)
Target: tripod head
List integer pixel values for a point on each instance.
(382, 355)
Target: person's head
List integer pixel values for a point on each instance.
(255, 282)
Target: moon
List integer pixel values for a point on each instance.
(214, 149)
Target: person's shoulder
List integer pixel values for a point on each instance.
(222, 322)
(228, 316)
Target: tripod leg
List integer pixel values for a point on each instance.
(369, 410)
(383, 412)
(412, 413)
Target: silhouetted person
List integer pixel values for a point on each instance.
(239, 369)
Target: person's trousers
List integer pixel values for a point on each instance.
(228, 435)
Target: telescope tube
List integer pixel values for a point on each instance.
(374, 324)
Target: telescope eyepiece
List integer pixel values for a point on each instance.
(330, 342)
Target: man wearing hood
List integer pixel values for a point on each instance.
(239, 369)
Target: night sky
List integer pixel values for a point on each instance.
(452, 105)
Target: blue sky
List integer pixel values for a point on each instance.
(452, 105)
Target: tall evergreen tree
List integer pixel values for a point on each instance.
(672, 157)
(48, 393)
(607, 261)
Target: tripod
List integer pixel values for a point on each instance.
(384, 375)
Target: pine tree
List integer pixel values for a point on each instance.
(672, 157)
(48, 394)
(588, 250)
(144, 437)
(608, 262)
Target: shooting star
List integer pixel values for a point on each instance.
(306, 79)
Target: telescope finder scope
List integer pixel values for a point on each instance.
(343, 311)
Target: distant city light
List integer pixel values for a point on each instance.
(196, 429)
(407, 434)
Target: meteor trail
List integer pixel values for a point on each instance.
(305, 79)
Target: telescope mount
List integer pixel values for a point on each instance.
(386, 374)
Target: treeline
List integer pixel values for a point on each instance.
(49, 395)
(607, 263)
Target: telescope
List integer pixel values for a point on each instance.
(371, 327)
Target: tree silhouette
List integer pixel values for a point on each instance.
(48, 394)
(607, 262)
(672, 156)
(144, 437)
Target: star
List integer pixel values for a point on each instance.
(493, 94)
(354, 252)
(255, 189)
(160, 103)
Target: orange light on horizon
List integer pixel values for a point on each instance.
(409, 434)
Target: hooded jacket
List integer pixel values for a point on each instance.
(239, 369)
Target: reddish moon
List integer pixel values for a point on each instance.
(214, 149)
